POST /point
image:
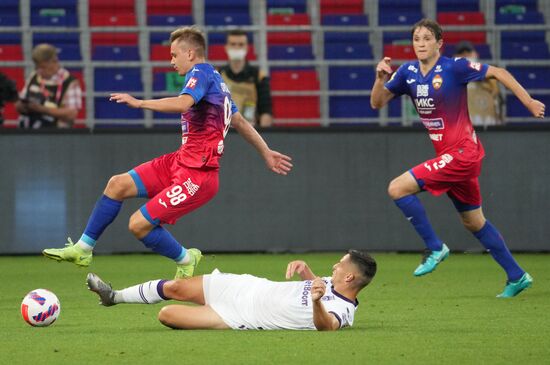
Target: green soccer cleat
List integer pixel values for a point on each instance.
(431, 260)
(186, 270)
(71, 253)
(513, 288)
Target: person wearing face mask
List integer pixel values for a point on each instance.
(51, 96)
(249, 86)
(484, 99)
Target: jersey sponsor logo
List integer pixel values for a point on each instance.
(328, 297)
(410, 81)
(443, 161)
(475, 65)
(424, 103)
(422, 90)
(437, 81)
(438, 69)
(220, 147)
(433, 124)
(224, 88)
(163, 203)
(191, 188)
(413, 69)
(191, 83)
(306, 292)
(438, 137)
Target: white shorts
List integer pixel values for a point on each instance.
(231, 296)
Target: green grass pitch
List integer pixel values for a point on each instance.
(448, 317)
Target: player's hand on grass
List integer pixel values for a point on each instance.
(318, 289)
(277, 162)
(537, 108)
(126, 99)
(295, 267)
(383, 69)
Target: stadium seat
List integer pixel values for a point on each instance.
(288, 38)
(67, 44)
(222, 12)
(11, 52)
(525, 50)
(290, 19)
(16, 74)
(527, 18)
(351, 107)
(216, 52)
(523, 36)
(474, 37)
(342, 7)
(394, 108)
(117, 79)
(403, 38)
(115, 47)
(461, 18)
(105, 109)
(294, 80)
(345, 20)
(347, 45)
(296, 107)
(457, 5)
(351, 77)
(286, 7)
(514, 107)
(399, 52)
(105, 13)
(399, 12)
(515, 6)
(299, 52)
(166, 12)
(60, 13)
(531, 77)
(9, 13)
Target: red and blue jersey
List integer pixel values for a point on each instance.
(441, 100)
(205, 125)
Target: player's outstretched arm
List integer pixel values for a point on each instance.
(177, 104)
(380, 96)
(323, 320)
(534, 106)
(275, 161)
(301, 268)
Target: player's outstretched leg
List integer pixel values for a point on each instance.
(108, 206)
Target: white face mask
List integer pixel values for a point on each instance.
(236, 54)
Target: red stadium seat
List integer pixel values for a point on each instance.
(290, 19)
(461, 18)
(296, 107)
(288, 38)
(474, 37)
(164, 7)
(342, 7)
(294, 80)
(16, 74)
(110, 39)
(113, 14)
(11, 52)
(400, 52)
(159, 52)
(216, 52)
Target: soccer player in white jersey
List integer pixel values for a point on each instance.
(230, 301)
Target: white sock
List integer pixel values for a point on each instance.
(146, 293)
(83, 245)
(185, 260)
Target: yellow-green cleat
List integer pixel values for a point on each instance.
(71, 253)
(186, 270)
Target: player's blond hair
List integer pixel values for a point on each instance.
(192, 36)
(43, 53)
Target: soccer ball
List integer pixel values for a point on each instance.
(40, 308)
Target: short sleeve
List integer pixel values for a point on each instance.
(397, 85)
(467, 71)
(341, 310)
(234, 108)
(196, 84)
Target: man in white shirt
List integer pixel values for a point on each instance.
(249, 302)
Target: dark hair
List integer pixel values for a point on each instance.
(464, 47)
(432, 25)
(366, 265)
(237, 32)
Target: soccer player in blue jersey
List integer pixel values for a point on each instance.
(437, 87)
(182, 181)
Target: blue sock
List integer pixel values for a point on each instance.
(162, 242)
(491, 238)
(413, 209)
(104, 213)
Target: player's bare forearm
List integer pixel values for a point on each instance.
(379, 96)
(179, 104)
(250, 135)
(510, 83)
(323, 320)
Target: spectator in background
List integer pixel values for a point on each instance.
(248, 85)
(8, 93)
(51, 96)
(484, 99)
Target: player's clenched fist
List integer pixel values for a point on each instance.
(537, 108)
(383, 69)
(126, 99)
(318, 289)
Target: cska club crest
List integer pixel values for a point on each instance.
(437, 81)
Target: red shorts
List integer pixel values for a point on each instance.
(452, 173)
(174, 190)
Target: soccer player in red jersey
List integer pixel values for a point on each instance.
(182, 181)
(437, 87)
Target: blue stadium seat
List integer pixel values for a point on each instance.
(159, 38)
(228, 19)
(457, 5)
(67, 44)
(531, 77)
(399, 12)
(105, 109)
(347, 45)
(351, 107)
(58, 13)
(10, 38)
(397, 37)
(514, 107)
(161, 20)
(175, 117)
(159, 81)
(527, 18)
(297, 6)
(351, 77)
(223, 12)
(297, 52)
(115, 53)
(529, 5)
(523, 36)
(9, 13)
(117, 79)
(525, 50)
(343, 20)
(394, 107)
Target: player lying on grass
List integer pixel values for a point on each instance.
(249, 302)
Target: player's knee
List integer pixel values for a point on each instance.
(137, 226)
(166, 317)
(473, 224)
(175, 289)
(115, 187)
(394, 190)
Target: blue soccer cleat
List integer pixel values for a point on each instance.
(513, 288)
(430, 261)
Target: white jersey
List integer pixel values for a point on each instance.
(249, 302)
